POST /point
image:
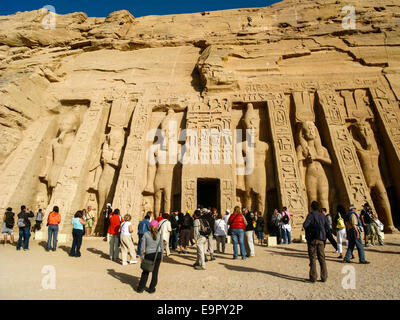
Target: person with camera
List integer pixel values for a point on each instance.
(24, 226)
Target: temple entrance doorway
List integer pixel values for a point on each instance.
(208, 193)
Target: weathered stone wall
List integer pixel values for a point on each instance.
(80, 104)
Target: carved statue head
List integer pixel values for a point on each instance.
(251, 119)
(116, 135)
(309, 130)
(364, 132)
(69, 122)
(170, 112)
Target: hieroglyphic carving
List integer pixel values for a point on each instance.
(214, 117)
(69, 193)
(189, 194)
(388, 111)
(260, 91)
(344, 152)
(290, 189)
(227, 194)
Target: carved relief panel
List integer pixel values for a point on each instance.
(344, 152)
(290, 188)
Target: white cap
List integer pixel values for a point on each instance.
(108, 204)
(227, 210)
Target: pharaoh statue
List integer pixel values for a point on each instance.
(312, 155)
(58, 151)
(160, 174)
(368, 154)
(257, 155)
(104, 169)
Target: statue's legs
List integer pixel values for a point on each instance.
(380, 194)
(157, 202)
(167, 198)
(312, 189)
(248, 198)
(104, 185)
(323, 193)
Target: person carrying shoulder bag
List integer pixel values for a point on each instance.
(151, 254)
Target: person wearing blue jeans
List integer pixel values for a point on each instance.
(77, 233)
(354, 236)
(238, 235)
(24, 229)
(24, 233)
(286, 233)
(53, 232)
(143, 227)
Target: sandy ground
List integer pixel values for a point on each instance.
(274, 273)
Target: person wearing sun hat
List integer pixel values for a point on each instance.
(152, 248)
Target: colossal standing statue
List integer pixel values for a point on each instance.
(110, 157)
(368, 154)
(257, 155)
(160, 174)
(58, 151)
(312, 155)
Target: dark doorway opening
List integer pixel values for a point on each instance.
(208, 193)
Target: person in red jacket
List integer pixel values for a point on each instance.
(113, 230)
(237, 224)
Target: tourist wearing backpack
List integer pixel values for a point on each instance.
(237, 225)
(184, 233)
(8, 225)
(200, 237)
(316, 227)
(276, 220)
(24, 226)
(53, 220)
(286, 225)
(220, 233)
(340, 229)
(354, 230)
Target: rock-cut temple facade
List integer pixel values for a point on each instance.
(260, 108)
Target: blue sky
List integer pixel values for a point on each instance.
(137, 7)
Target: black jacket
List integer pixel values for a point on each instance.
(316, 226)
(26, 216)
(249, 220)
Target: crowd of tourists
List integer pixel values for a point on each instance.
(177, 231)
